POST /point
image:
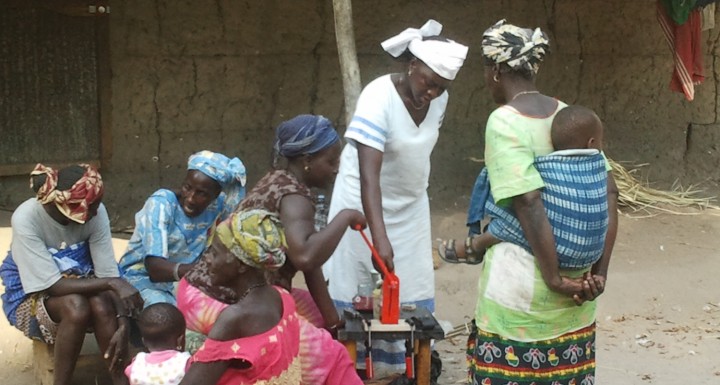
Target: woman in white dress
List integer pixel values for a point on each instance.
(384, 170)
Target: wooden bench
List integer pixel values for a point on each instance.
(43, 362)
(90, 368)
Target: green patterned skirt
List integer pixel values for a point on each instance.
(565, 360)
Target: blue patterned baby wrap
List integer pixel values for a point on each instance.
(73, 260)
(575, 199)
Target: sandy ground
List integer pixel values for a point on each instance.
(659, 319)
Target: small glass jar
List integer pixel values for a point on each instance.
(363, 300)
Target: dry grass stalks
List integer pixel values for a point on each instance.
(638, 199)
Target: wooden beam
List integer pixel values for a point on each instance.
(345, 37)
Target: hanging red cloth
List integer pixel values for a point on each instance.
(685, 43)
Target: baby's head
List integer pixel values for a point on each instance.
(576, 127)
(162, 327)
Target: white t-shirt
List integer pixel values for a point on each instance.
(34, 231)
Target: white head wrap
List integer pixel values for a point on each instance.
(443, 57)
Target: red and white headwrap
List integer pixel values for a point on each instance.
(75, 202)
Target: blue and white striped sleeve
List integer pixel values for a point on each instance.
(155, 226)
(369, 123)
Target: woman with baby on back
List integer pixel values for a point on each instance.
(534, 320)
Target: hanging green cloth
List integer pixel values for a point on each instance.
(679, 10)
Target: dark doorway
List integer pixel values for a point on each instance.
(54, 84)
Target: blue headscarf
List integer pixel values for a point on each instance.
(304, 135)
(218, 167)
(229, 173)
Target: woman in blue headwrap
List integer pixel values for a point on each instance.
(171, 230)
(311, 147)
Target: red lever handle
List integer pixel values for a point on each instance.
(375, 254)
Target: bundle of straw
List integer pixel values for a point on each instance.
(637, 198)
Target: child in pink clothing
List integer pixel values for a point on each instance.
(162, 327)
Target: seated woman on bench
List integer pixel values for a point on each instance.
(60, 276)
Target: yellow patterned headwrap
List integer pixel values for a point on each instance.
(256, 237)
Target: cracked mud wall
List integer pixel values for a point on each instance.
(192, 75)
(220, 75)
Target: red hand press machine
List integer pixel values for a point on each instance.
(390, 313)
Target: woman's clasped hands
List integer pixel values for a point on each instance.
(592, 285)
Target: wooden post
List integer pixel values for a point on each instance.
(351, 347)
(422, 372)
(345, 37)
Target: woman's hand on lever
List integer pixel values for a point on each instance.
(357, 220)
(382, 245)
(385, 250)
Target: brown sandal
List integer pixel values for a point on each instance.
(446, 250)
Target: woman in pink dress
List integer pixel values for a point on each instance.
(256, 338)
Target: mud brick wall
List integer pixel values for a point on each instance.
(220, 75)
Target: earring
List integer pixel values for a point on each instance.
(307, 168)
(495, 78)
(179, 348)
(409, 73)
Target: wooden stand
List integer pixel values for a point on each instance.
(43, 362)
(356, 330)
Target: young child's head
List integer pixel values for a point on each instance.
(162, 327)
(576, 127)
